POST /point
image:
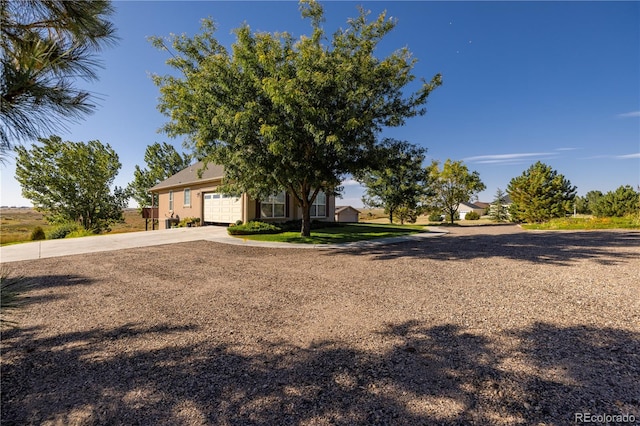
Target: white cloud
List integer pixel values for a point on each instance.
(628, 156)
(566, 149)
(350, 182)
(506, 158)
(629, 114)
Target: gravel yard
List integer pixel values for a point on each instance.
(486, 325)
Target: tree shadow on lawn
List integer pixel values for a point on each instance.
(427, 375)
(560, 248)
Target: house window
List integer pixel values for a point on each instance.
(187, 197)
(273, 206)
(319, 206)
(171, 200)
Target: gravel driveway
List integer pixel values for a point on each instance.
(486, 325)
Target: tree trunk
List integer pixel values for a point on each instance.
(391, 216)
(306, 220)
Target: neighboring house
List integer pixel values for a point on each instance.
(186, 194)
(347, 214)
(464, 208)
(484, 206)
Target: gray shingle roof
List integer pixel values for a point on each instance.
(189, 176)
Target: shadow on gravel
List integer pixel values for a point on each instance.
(429, 375)
(560, 248)
(25, 285)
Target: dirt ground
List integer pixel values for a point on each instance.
(488, 325)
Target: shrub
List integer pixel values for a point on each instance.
(435, 217)
(253, 227)
(61, 231)
(472, 216)
(38, 234)
(239, 222)
(81, 232)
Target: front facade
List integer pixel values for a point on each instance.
(465, 208)
(190, 194)
(347, 214)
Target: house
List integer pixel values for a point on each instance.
(464, 208)
(186, 194)
(346, 214)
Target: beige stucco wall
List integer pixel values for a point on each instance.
(249, 205)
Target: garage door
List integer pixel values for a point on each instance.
(222, 208)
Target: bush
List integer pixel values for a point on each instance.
(435, 217)
(472, 216)
(61, 231)
(38, 234)
(251, 228)
(239, 222)
(81, 232)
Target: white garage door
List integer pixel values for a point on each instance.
(222, 208)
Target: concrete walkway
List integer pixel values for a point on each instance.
(218, 234)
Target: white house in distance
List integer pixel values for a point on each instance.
(465, 208)
(188, 195)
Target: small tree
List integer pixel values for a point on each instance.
(586, 204)
(396, 181)
(452, 185)
(540, 194)
(621, 202)
(70, 181)
(498, 210)
(286, 114)
(162, 162)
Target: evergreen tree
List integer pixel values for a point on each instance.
(540, 194)
(45, 46)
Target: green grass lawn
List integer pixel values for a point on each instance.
(577, 223)
(346, 233)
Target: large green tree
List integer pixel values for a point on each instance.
(540, 194)
(289, 114)
(452, 185)
(162, 161)
(71, 181)
(397, 180)
(45, 46)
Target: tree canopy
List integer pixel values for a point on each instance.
(162, 161)
(70, 181)
(621, 202)
(452, 185)
(540, 194)
(44, 48)
(289, 114)
(397, 181)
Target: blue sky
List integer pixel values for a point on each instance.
(523, 81)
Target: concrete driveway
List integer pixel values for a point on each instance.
(218, 234)
(71, 246)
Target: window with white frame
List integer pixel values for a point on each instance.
(171, 200)
(319, 206)
(187, 197)
(274, 206)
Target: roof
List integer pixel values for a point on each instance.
(470, 205)
(482, 204)
(189, 176)
(340, 209)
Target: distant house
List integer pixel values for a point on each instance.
(186, 194)
(483, 205)
(346, 214)
(465, 208)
